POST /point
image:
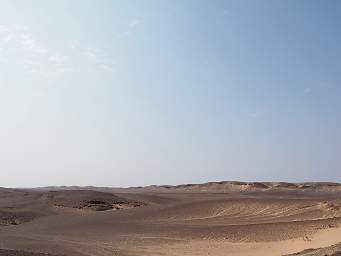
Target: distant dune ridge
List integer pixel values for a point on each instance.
(237, 186)
(214, 218)
(222, 186)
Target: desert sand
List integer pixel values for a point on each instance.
(216, 218)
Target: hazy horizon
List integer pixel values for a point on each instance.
(134, 93)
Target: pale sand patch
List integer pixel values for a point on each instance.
(322, 238)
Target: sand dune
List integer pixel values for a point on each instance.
(219, 218)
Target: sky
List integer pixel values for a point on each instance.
(128, 93)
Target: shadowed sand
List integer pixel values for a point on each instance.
(222, 218)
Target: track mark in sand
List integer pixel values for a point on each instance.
(5, 252)
(79, 247)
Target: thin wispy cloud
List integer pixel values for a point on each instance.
(31, 45)
(99, 58)
(135, 22)
(130, 27)
(94, 56)
(20, 47)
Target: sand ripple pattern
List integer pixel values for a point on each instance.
(250, 211)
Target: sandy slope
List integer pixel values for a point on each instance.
(221, 248)
(136, 222)
(333, 250)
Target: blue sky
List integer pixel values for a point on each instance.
(124, 93)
